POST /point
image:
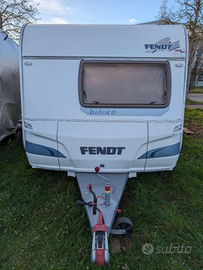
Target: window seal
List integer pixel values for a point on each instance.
(123, 105)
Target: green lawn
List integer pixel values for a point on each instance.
(196, 90)
(41, 227)
(193, 102)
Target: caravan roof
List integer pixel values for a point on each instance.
(103, 40)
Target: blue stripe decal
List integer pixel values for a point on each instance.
(95, 112)
(165, 151)
(42, 150)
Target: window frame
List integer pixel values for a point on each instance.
(200, 77)
(166, 65)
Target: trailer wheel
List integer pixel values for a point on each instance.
(123, 223)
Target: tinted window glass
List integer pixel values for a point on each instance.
(127, 84)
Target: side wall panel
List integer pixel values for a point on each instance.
(41, 145)
(164, 145)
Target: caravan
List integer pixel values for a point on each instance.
(103, 103)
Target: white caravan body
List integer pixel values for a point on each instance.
(103, 96)
(9, 86)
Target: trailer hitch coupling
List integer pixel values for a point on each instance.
(100, 251)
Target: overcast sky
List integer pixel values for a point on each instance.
(98, 11)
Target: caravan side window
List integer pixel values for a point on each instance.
(124, 84)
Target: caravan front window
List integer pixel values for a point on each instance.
(124, 84)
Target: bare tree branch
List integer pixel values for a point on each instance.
(15, 13)
(190, 13)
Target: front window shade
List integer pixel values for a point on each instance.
(124, 84)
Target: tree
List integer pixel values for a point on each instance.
(189, 13)
(15, 13)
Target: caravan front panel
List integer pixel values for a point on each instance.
(107, 96)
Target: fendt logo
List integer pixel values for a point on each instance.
(162, 45)
(101, 150)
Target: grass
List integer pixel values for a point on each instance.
(194, 119)
(196, 90)
(41, 227)
(193, 102)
